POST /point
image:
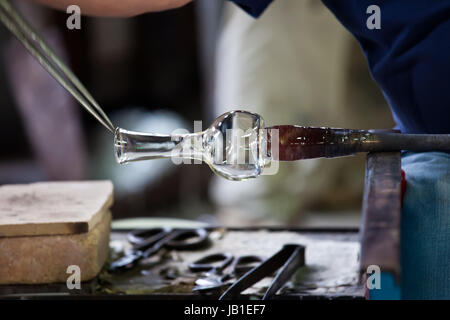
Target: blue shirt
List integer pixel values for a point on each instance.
(409, 57)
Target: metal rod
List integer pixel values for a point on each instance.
(296, 142)
(381, 213)
(37, 47)
(412, 142)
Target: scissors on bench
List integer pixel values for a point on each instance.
(220, 269)
(148, 242)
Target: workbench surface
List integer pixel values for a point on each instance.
(331, 271)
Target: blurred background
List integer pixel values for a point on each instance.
(161, 71)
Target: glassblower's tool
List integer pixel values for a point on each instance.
(220, 269)
(37, 47)
(288, 260)
(237, 146)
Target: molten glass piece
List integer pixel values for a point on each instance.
(232, 146)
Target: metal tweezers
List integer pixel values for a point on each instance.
(289, 259)
(36, 45)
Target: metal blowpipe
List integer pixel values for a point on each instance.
(237, 146)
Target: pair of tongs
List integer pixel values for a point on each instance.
(289, 259)
(36, 45)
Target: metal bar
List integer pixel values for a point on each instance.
(380, 227)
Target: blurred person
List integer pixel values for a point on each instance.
(294, 65)
(407, 53)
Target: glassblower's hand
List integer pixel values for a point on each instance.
(115, 8)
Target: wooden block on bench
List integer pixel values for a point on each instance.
(46, 227)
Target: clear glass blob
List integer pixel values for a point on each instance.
(231, 146)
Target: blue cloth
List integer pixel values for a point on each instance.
(254, 7)
(389, 289)
(409, 57)
(425, 229)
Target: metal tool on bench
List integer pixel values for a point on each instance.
(288, 260)
(220, 269)
(147, 243)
